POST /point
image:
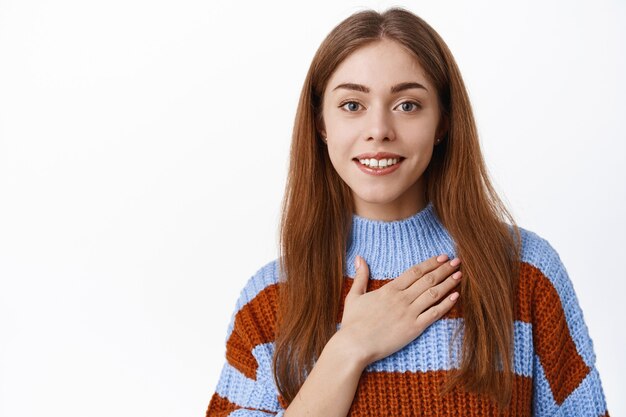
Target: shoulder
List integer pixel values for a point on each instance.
(538, 251)
(540, 257)
(255, 308)
(542, 266)
(262, 279)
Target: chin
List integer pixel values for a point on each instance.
(377, 199)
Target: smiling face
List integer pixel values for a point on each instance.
(379, 104)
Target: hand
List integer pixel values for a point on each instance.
(383, 321)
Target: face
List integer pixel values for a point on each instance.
(380, 117)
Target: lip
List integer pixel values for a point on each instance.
(379, 155)
(379, 171)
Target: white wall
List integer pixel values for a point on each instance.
(143, 153)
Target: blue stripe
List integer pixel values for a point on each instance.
(543, 401)
(390, 248)
(587, 400)
(429, 351)
(246, 392)
(253, 413)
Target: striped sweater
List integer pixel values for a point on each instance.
(554, 361)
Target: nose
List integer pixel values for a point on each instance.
(380, 125)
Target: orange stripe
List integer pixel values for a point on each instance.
(383, 393)
(220, 406)
(374, 284)
(416, 394)
(563, 366)
(523, 296)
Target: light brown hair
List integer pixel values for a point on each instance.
(317, 214)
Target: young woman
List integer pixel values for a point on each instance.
(400, 289)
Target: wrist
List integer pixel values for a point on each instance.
(343, 346)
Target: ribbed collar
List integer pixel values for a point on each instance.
(391, 247)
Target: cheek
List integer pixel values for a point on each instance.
(340, 158)
(341, 140)
(337, 157)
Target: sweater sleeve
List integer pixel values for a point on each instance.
(565, 379)
(246, 386)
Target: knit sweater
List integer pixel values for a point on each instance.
(554, 360)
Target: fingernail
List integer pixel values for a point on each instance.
(454, 296)
(457, 275)
(442, 258)
(455, 262)
(357, 262)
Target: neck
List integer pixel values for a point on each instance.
(410, 202)
(391, 247)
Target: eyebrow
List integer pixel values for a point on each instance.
(394, 89)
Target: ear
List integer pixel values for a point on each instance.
(442, 128)
(319, 125)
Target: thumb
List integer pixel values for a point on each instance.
(361, 277)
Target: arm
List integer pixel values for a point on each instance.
(330, 387)
(565, 379)
(245, 387)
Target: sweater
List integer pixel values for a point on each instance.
(553, 358)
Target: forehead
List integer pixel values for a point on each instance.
(379, 65)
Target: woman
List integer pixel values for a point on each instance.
(400, 289)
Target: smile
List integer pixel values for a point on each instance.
(378, 167)
(379, 163)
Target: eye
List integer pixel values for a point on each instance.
(406, 106)
(353, 106)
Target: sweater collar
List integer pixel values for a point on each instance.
(391, 247)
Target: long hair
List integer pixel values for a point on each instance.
(317, 214)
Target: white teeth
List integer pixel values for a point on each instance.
(375, 163)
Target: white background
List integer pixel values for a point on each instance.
(143, 154)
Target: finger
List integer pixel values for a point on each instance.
(435, 293)
(417, 271)
(434, 313)
(361, 277)
(432, 278)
